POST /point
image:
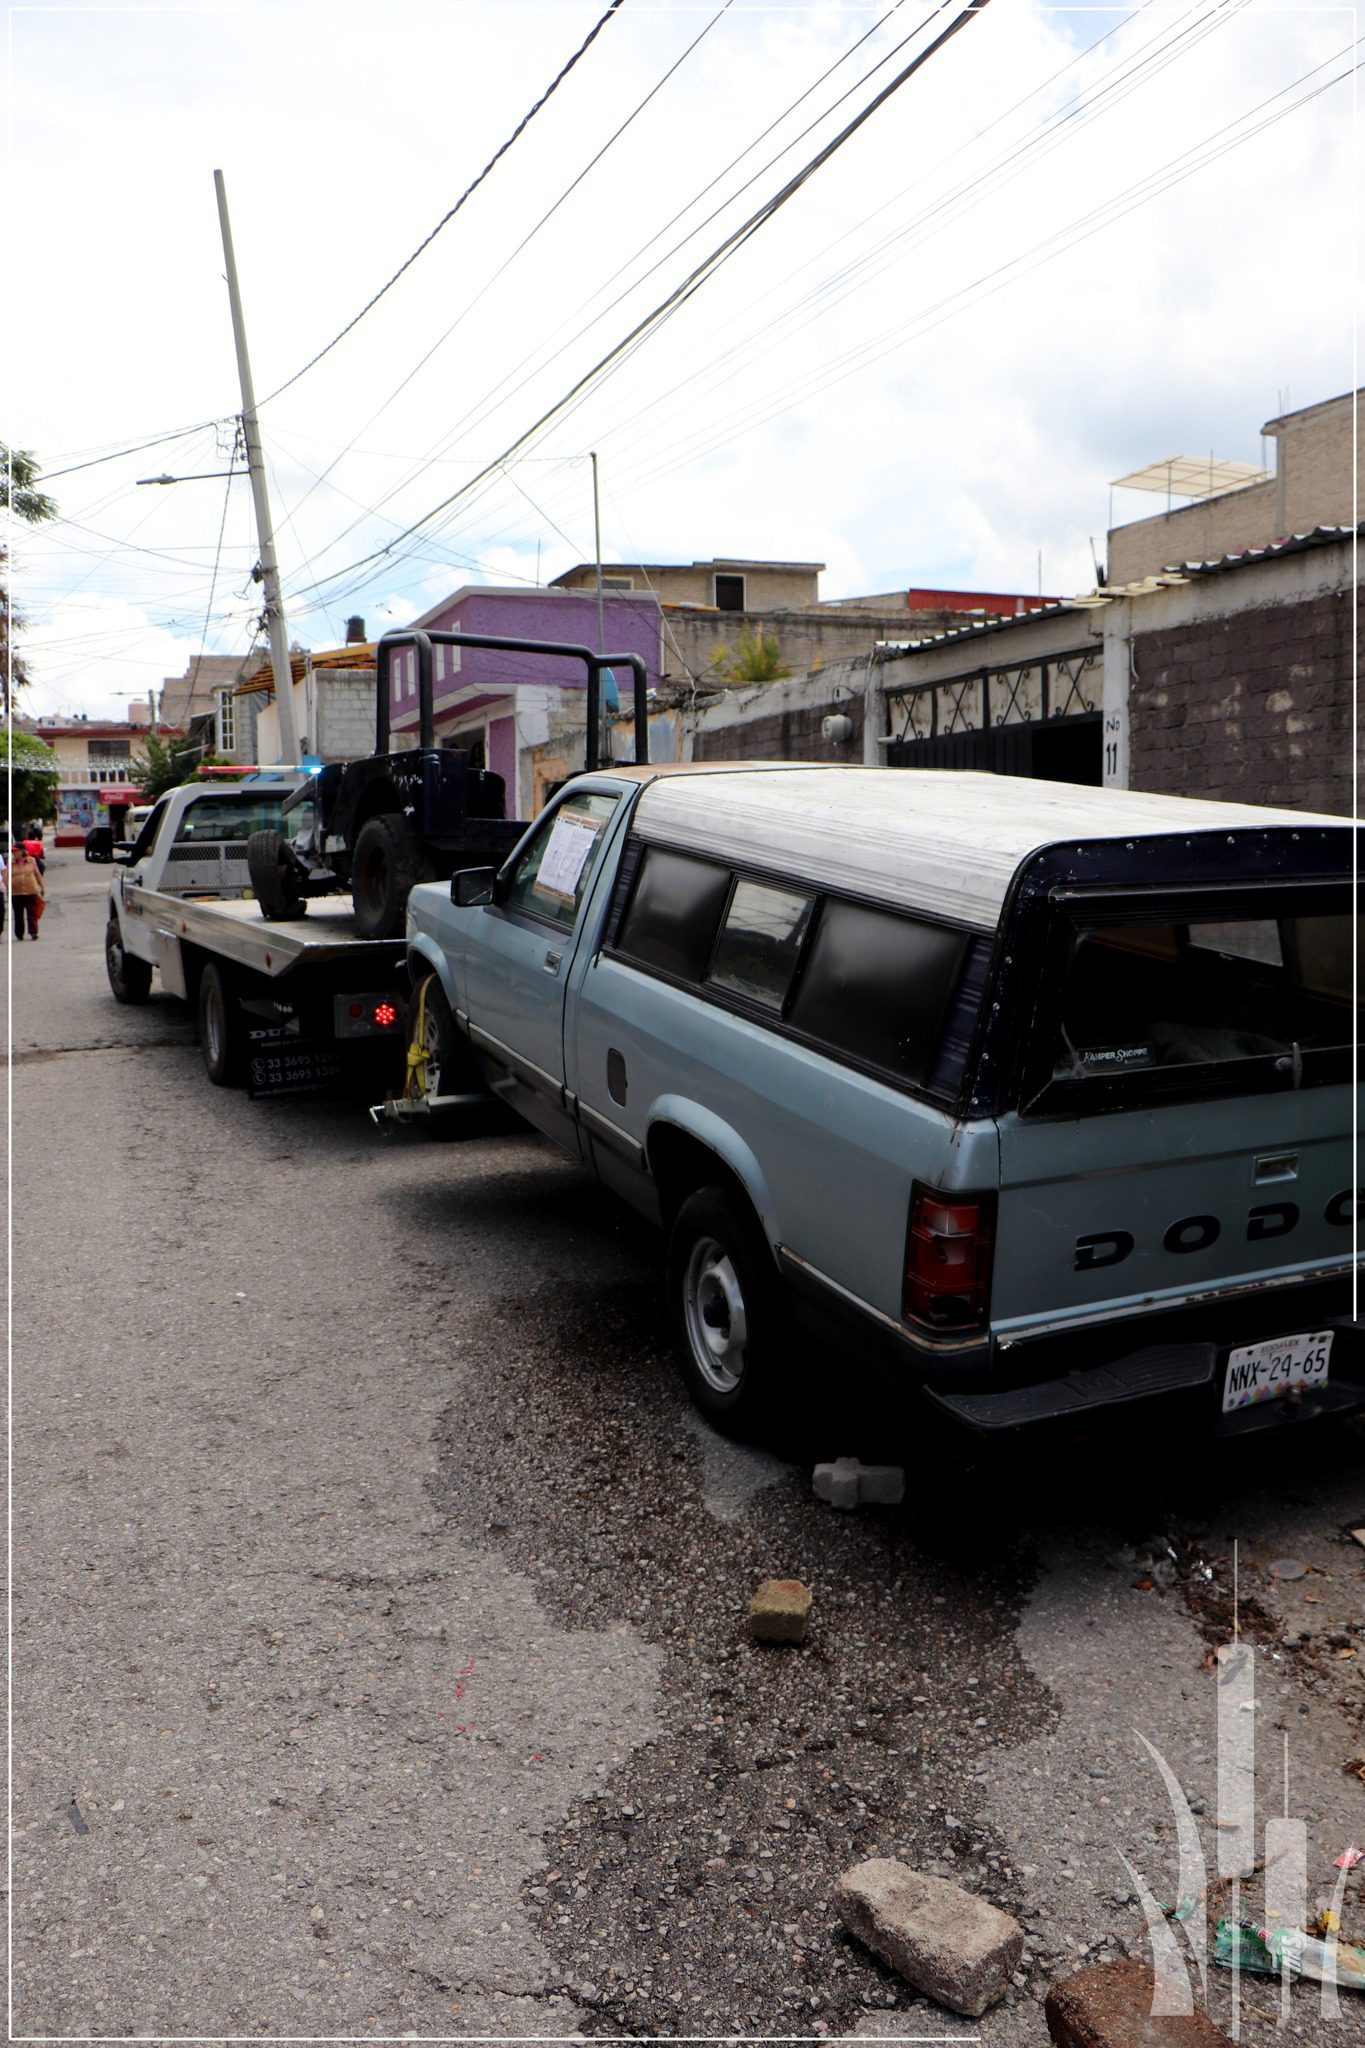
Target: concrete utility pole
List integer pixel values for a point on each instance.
(270, 575)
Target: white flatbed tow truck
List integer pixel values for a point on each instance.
(288, 1006)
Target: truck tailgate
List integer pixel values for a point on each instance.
(1105, 1214)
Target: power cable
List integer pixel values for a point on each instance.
(1047, 135)
(446, 218)
(136, 448)
(420, 464)
(218, 552)
(477, 413)
(1173, 173)
(693, 283)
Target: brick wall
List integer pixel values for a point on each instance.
(344, 713)
(1253, 707)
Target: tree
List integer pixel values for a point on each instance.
(19, 496)
(755, 658)
(30, 770)
(168, 763)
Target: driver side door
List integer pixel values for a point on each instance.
(518, 955)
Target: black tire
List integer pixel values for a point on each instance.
(129, 977)
(221, 1037)
(274, 876)
(725, 1307)
(387, 864)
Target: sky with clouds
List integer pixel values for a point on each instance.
(1074, 241)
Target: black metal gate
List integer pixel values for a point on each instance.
(1039, 718)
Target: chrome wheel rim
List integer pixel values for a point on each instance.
(213, 1028)
(716, 1318)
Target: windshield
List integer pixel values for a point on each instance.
(235, 817)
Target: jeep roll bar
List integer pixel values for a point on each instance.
(426, 727)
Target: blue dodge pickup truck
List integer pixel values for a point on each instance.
(1036, 1096)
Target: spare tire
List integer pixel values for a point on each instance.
(274, 876)
(387, 864)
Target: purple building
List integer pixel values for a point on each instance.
(525, 712)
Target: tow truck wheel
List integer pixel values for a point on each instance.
(221, 1038)
(129, 977)
(724, 1304)
(273, 876)
(388, 863)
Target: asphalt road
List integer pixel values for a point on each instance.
(379, 1652)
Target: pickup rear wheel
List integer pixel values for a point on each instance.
(129, 977)
(388, 862)
(221, 1037)
(725, 1306)
(273, 876)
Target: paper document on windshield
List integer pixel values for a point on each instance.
(566, 856)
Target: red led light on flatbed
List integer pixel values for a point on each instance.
(385, 1014)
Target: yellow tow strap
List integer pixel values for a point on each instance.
(415, 1085)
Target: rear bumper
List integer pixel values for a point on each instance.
(1167, 1358)
(1176, 1357)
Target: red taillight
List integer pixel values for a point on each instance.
(948, 1260)
(385, 1014)
(356, 1010)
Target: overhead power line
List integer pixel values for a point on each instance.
(689, 286)
(424, 462)
(136, 448)
(468, 193)
(546, 349)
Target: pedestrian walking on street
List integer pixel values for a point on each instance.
(4, 892)
(33, 840)
(25, 885)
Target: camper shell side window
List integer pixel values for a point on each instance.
(892, 993)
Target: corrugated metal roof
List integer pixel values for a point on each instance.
(1174, 574)
(928, 839)
(357, 654)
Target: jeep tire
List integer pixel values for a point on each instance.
(387, 865)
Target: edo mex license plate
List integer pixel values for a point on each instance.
(1281, 1365)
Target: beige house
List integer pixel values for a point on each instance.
(1238, 506)
(96, 779)
(722, 585)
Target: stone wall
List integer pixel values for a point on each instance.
(807, 640)
(781, 721)
(1251, 707)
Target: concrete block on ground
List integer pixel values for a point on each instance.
(956, 1948)
(1110, 2006)
(847, 1483)
(780, 1612)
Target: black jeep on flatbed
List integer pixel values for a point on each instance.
(381, 824)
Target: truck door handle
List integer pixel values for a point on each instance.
(552, 961)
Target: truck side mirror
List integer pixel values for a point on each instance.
(470, 886)
(122, 851)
